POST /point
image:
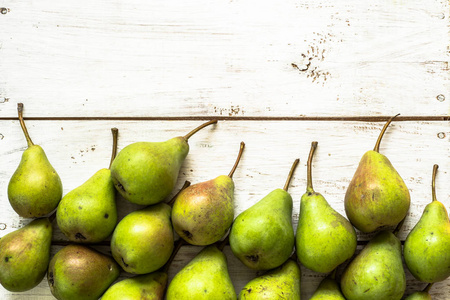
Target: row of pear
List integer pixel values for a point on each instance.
(145, 173)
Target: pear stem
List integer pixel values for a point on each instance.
(22, 124)
(433, 182)
(115, 134)
(399, 226)
(291, 173)
(225, 241)
(309, 185)
(187, 136)
(177, 247)
(428, 287)
(238, 159)
(383, 130)
(185, 185)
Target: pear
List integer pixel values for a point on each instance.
(79, 272)
(146, 172)
(423, 295)
(427, 246)
(144, 287)
(377, 196)
(328, 289)
(280, 283)
(88, 213)
(325, 239)
(204, 277)
(203, 212)
(142, 242)
(25, 254)
(35, 188)
(262, 236)
(377, 271)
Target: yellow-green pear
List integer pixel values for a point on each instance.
(262, 236)
(377, 196)
(204, 277)
(25, 254)
(427, 247)
(78, 272)
(203, 212)
(328, 289)
(146, 172)
(88, 213)
(143, 287)
(423, 295)
(325, 239)
(143, 241)
(377, 271)
(280, 283)
(35, 188)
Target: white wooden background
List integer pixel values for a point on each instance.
(277, 75)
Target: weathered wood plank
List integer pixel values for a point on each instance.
(227, 58)
(79, 149)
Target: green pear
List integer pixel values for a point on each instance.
(78, 272)
(262, 236)
(24, 255)
(204, 277)
(203, 212)
(143, 241)
(280, 283)
(143, 287)
(377, 196)
(325, 239)
(427, 247)
(377, 271)
(424, 295)
(35, 188)
(328, 289)
(146, 172)
(88, 213)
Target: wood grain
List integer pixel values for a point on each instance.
(277, 74)
(230, 58)
(78, 149)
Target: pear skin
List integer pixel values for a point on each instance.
(280, 283)
(143, 287)
(24, 255)
(78, 272)
(325, 239)
(377, 196)
(427, 246)
(204, 277)
(143, 241)
(203, 212)
(88, 213)
(146, 172)
(419, 296)
(35, 188)
(377, 271)
(262, 236)
(328, 289)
